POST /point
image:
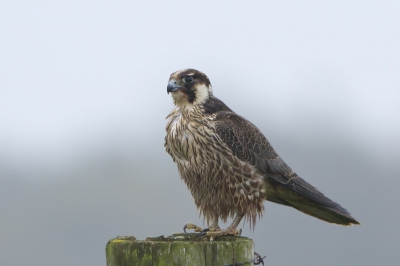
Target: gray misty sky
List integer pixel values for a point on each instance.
(82, 117)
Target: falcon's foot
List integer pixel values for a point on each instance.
(213, 231)
(230, 231)
(199, 229)
(192, 226)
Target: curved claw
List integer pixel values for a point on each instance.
(204, 232)
(192, 226)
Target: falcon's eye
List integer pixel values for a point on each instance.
(188, 79)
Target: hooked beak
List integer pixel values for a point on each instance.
(172, 86)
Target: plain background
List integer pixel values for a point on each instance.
(82, 121)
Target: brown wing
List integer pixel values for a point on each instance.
(248, 143)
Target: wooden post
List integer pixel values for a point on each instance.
(179, 249)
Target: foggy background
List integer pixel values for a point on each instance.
(82, 121)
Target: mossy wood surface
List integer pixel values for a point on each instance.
(179, 249)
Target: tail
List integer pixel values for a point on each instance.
(302, 196)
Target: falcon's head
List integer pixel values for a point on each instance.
(189, 86)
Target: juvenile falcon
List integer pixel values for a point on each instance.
(228, 165)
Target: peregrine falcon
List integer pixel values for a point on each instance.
(228, 165)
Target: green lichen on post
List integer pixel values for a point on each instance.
(178, 249)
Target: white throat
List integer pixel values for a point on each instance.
(202, 94)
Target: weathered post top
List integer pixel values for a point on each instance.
(179, 250)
